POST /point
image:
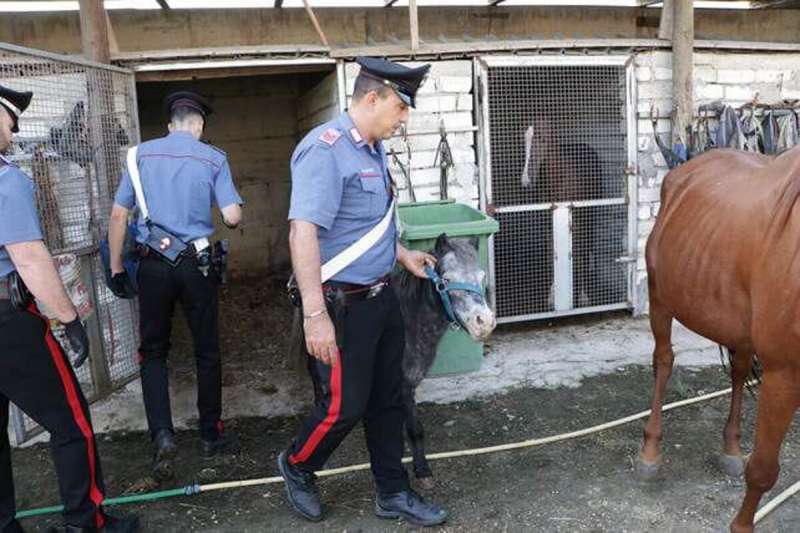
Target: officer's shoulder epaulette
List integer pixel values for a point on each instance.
(217, 149)
(330, 136)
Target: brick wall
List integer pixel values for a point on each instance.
(447, 95)
(733, 78)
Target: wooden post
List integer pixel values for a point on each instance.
(113, 45)
(414, 24)
(665, 25)
(315, 23)
(682, 63)
(94, 31)
(106, 167)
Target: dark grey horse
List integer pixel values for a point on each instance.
(426, 322)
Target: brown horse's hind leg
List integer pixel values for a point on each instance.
(732, 459)
(779, 398)
(649, 459)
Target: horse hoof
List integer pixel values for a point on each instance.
(645, 470)
(426, 483)
(732, 465)
(737, 528)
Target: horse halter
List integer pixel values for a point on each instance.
(443, 287)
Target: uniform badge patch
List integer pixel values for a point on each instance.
(355, 135)
(330, 136)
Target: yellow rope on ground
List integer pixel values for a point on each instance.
(766, 509)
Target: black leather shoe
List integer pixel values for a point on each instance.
(301, 490)
(410, 506)
(224, 444)
(113, 524)
(121, 524)
(165, 452)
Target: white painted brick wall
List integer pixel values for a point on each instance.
(731, 77)
(738, 93)
(736, 76)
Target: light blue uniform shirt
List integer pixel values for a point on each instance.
(341, 184)
(182, 179)
(19, 219)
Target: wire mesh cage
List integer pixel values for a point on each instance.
(556, 138)
(72, 143)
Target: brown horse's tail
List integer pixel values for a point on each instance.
(756, 370)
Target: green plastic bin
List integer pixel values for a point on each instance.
(422, 223)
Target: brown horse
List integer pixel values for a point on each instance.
(556, 171)
(724, 259)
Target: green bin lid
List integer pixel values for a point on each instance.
(427, 220)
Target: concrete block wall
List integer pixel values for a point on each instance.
(733, 78)
(319, 104)
(446, 96)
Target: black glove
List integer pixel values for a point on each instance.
(78, 340)
(121, 286)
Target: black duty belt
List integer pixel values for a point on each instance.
(353, 292)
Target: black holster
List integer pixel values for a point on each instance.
(21, 297)
(335, 303)
(219, 259)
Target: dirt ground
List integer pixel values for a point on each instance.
(581, 485)
(585, 484)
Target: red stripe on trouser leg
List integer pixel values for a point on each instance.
(330, 419)
(78, 415)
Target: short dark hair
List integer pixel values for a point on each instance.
(182, 112)
(365, 84)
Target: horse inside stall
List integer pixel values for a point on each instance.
(563, 172)
(723, 259)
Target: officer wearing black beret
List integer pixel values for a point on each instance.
(353, 325)
(181, 179)
(34, 372)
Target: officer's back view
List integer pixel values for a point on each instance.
(182, 179)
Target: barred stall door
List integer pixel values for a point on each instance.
(72, 143)
(557, 151)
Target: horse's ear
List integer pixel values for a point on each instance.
(442, 245)
(475, 242)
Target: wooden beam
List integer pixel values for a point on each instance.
(201, 73)
(315, 23)
(94, 31)
(413, 20)
(682, 66)
(113, 45)
(665, 26)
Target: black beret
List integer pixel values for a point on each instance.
(16, 103)
(187, 99)
(404, 80)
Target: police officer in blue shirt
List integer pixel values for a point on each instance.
(34, 372)
(182, 179)
(353, 326)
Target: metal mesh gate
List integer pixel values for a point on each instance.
(557, 136)
(72, 142)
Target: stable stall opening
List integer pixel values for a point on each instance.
(556, 138)
(257, 121)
